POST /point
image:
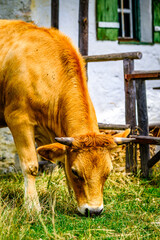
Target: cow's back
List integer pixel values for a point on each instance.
(25, 64)
(38, 65)
(25, 46)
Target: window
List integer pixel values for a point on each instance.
(128, 13)
(107, 19)
(125, 20)
(156, 20)
(117, 19)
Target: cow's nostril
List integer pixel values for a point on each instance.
(86, 212)
(92, 212)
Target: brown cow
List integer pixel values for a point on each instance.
(43, 95)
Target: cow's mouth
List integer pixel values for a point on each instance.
(90, 211)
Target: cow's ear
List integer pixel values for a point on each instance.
(52, 152)
(123, 134)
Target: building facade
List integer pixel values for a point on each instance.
(114, 26)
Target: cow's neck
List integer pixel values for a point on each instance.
(75, 113)
(78, 119)
(79, 122)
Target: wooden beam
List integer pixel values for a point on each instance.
(130, 94)
(145, 75)
(130, 115)
(113, 126)
(55, 13)
(146, 139)
(154, 160)
(143, 124)
(113, 57)
(156, 88)
(83, 26)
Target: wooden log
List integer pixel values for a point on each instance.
(142, 107)
(131, 158)
(146, 75)
(130, 115)
(151, 162)
(156, 88)
(143, 124)
(83, 27)
(146, 139)
(55, 13)
(130, 95)
(113, 126)
(113, 57)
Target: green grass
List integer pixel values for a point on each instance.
(132, 210)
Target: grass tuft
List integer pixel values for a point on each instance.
(132, 210)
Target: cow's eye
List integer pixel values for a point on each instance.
(75, 173)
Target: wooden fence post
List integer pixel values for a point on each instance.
(83, 27)
(130, 115)
(143, 124)
(55, 13)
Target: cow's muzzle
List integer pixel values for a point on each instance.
(90, 211)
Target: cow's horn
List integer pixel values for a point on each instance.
(120, 140)
(65, 140)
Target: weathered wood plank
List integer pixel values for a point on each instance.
(83, 27)
(55, 13)
(113, 126)
(130, 115)
(113, 57)
(142, 107)
(146, 75)
(130, 95)
(146, 139)
(156, 88)
(151, 162)
(143, 124)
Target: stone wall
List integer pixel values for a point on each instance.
(15, 9)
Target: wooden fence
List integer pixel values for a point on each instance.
(134, 90)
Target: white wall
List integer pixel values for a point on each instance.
(41, 12)
(105, 84)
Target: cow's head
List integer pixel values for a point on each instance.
(87, 165)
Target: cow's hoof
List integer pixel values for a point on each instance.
(32, 207)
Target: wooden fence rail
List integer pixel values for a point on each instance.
(146, 139)
(113, 57)
(135, 91)
(139, 77)
(145, 75)
(151, 162)
(113, 126)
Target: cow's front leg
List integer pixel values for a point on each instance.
(31, 196)
(23, 134)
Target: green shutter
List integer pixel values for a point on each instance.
(107, 13)
(156, 20)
